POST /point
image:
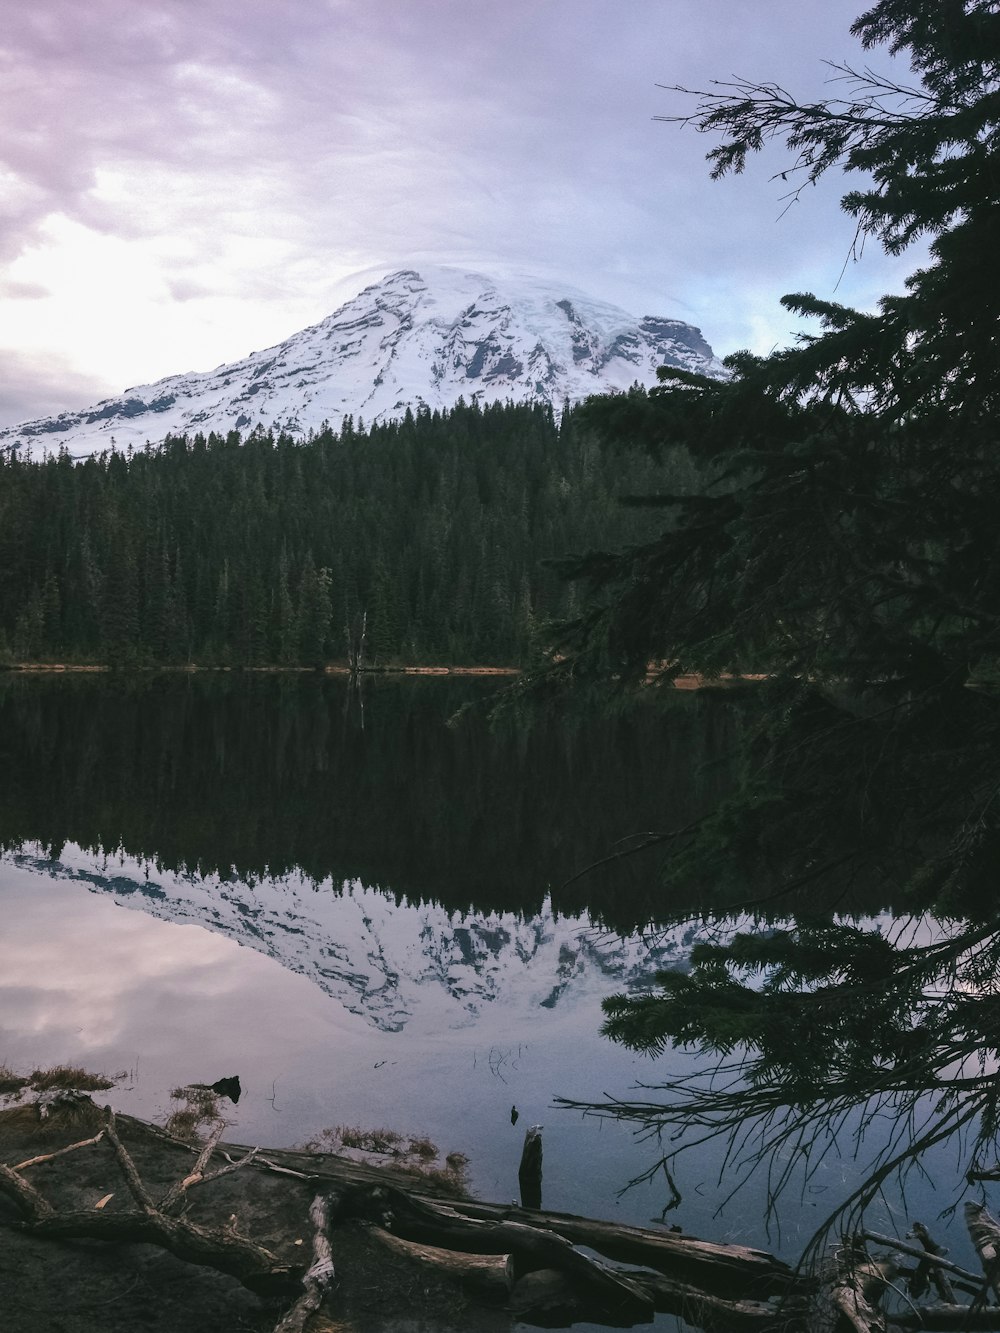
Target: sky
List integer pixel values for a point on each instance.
(183, 182)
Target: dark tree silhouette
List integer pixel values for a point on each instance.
(846, 551)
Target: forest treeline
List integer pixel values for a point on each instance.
(226, 552)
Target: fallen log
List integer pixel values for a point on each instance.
(529, 1246)
(523, 1262)
(551, 1282)
(547, 1296)
(732, 1271)
(948, 1319)
(735, 1271)
(487, 1277)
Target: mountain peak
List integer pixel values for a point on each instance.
(417, 338)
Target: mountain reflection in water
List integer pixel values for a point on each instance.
(404, 873)
(416, 956)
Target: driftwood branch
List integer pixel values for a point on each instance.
(253, 1154)
(27, 1198)
(984, 1231)
(317, 1276)
(59, 1152)
(852, 1286)
(916, 1252)
(136, 1188)
(197, 1175)
(253, 1265)
(930, 1265)
(228, 1169)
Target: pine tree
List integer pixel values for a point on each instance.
(120, 603)
(52, 614)
(315, 615)
(846, 551)
(29, 628)
(384, 631)
(284, 619)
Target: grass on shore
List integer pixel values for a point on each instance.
(404, 1152)
(56, 1077)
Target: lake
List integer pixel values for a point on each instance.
(366, 905)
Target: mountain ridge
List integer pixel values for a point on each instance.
(413, 340)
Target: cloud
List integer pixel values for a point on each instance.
(44, 385)
(12, 290)
(227, 165)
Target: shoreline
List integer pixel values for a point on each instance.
(689, 681)
(191, 668)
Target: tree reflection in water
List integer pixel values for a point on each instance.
(824, 1039)
(836, 1032)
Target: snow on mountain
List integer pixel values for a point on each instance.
(391, 963)
(413, 340)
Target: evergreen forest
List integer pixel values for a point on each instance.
(429, 536)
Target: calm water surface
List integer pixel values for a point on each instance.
(363, 910)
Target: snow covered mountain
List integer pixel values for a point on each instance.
(391, 963)
(413, 340)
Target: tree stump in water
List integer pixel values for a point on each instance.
(529, 1173)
